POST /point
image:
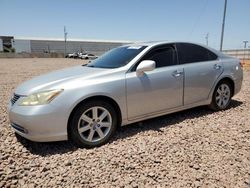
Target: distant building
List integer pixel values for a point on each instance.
(45, 45)
(6, 43)
(239, 53)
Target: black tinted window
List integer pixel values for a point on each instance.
(191, 53)
(164, 56)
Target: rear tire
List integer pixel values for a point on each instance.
(93, 124)
(222, 96)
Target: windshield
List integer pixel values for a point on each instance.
(117, 57)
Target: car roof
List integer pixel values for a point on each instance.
(148, 43)
(156, 43)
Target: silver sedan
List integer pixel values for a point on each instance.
(127, 84)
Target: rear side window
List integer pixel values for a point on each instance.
(191, 53)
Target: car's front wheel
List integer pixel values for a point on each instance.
(93, 124)
(222, 96)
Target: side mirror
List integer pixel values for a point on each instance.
(144, 66)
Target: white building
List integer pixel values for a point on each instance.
(45, 45)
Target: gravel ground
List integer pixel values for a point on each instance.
(193, 148)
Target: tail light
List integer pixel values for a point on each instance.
(241, 64)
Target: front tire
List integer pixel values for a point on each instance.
(222, 96)
(93, 124)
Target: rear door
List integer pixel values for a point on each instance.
(202, 68)
(157, 90)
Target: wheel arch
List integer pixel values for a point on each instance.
(229, 80)
(97, 97)
(224, 78)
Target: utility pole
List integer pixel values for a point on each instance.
(245, 43)
(207, 36)
(245, 47)
(65, 41)
(223, 25)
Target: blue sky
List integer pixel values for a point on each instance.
(133, 20)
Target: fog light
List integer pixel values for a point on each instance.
(19, 128)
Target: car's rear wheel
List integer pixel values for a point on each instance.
(93, 124)
(222, 96)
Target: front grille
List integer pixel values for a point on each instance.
(14, 98)
(19, 128)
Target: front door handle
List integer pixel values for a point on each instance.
(177, 73)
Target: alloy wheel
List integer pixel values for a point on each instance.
(94, 124)
(223, 95)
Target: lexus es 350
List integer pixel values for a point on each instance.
(127, 84)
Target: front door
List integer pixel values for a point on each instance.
(157, 90)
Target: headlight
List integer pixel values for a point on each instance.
(40, 98)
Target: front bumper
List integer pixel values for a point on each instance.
(43, 123)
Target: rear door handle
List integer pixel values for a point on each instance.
(177, 73)
(217, 67)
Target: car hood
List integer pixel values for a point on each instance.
(51, 80)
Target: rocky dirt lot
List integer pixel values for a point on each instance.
(246, 63)
(193, 148)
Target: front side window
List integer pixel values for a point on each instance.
(163, 56)
(191, 53)
(117, 57)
